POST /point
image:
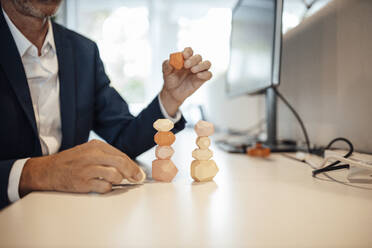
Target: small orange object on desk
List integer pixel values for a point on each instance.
(176, 60)
(258, 151)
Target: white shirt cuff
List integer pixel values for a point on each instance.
(14, 177)
(175, 119)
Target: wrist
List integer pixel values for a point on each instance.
(170, 104)
(34, 176)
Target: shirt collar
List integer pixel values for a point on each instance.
(49, 38)
(23, 44)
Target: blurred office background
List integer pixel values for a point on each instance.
(135, 36)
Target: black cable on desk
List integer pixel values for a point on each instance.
(333, 166)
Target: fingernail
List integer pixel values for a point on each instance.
(139, 176)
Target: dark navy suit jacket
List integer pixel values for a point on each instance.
(87, 103)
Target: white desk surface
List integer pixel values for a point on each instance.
(251, 202)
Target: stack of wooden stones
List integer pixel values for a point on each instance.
(163, 168)
(203, 168)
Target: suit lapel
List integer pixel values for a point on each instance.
(11, 62)
(67, 83)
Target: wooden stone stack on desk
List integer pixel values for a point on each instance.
(203, 168)
(163, 168)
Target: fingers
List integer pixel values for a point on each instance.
(127, 167)
(202, 66)
(117, 159)
(98, 157)
(205, 75)
(99, 186)
(192, 61)
(167, 68)
(187, 53)
(109, 174)
(140, 178)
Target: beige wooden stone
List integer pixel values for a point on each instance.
(164, 152)
(163, 170)
(202, 154)
(203, 171)
(204, 128)
(203, 142)
(163, 125)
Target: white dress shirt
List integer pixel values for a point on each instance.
(42, 77)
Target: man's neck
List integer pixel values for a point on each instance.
(34, 29)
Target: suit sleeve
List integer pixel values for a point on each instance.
(114, 122)
(5, 168)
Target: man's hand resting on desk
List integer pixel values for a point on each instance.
(90, 167)
(180, 84)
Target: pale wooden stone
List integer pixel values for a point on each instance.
(204, 128)
(164, 152)
(202, 154)
(203, 142)
(163, 125)
(203, 171)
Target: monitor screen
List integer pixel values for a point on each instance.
(253, 43)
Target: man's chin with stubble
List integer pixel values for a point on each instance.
(37, 8)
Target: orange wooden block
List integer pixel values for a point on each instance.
(163, 170)
(164, 138)
(258, 151)
(176, 60)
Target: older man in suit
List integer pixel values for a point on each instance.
(54, 91)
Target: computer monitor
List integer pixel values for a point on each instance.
(255, 42)
(255, 55)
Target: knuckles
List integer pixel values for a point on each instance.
(89, 155)
(166, 67)
(95, 142)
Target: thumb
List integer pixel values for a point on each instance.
(167, 68)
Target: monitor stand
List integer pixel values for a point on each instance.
(271, 124)
(283, 146)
